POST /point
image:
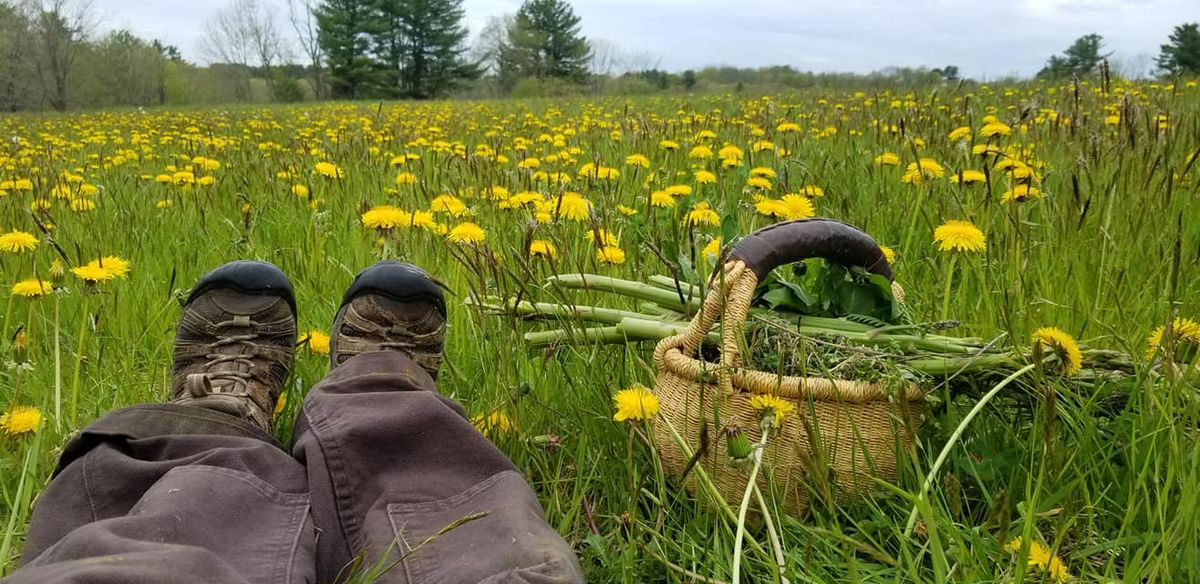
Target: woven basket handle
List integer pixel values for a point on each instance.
(792, 241)
(756, 255)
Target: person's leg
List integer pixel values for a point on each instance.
(196, 490)
(398, 474)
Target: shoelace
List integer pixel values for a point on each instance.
(234, 382)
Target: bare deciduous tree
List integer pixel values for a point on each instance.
(244, 34)
(609, 59)
(59, 29)
(304, 23)
(486, 49)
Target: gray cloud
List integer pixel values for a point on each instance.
(984, 38)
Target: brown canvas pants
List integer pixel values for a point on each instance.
(383, 471)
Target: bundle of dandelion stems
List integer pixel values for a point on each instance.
(789, 343)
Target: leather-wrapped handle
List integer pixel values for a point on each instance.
(792, 241)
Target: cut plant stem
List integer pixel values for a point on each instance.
(639, 290)
(553, 310)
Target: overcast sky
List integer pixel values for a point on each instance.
(985, 38)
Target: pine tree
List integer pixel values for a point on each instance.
(1181, 56)
(420, 46)
(544, 41)
(343, 29)
(1083, 57)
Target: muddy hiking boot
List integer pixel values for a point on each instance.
(391, 306)
(236, 341)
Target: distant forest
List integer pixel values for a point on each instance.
(53, 57)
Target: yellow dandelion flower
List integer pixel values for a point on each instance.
(770, 207)
(796, 207)
(763, 146)
(888, 253)
(626, 211)
(163, 203)
(926, 168)
(777, 407)
(713, 249)
(601, 237)
(20, 420)
(662, 199)
(406, 178)
(960, 133)
(82, 205)
(31, 288)
(668, 145)
(467, 232)
(494, 423)
(762, 171)
(955, 235)
(610, 254)
(329, 170)
(759, 183)
(812, 191)
(1042, 558)
(731, 152)
(386, 217)
(888, 159)
(994, 129)
(679, 190)
(572, 207)
(635, 403)
(1185, 330)
(985, 150)
(318, 342)
(702, 214)
(1062, 345)
(637, 160)
(450, 205)
(704, 177)
(280, 404)
(16, 241)
(1020, 194)
(300, 190)
(542, 248)
(967, 177)
(102, 270)
(424, 220)
(700, 152)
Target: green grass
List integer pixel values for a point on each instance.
(1107, 255)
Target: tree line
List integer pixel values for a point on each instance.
(52, 57)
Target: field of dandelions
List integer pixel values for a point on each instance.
(1074, 206)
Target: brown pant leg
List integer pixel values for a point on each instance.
(391, 463)
(171, 493)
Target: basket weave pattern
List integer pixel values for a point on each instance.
(843, 435)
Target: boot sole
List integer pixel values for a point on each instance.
(248, 277)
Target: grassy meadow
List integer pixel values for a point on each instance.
(1089, 198)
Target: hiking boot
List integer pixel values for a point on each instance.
(391, 306)
(236, 341)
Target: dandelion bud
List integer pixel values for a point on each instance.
(737, 446)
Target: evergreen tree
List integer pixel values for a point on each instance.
(420, 45)
(544, 41)
(1181, 56)
(343, 32)
(1081, 58)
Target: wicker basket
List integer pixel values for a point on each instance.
(844, 433)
